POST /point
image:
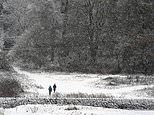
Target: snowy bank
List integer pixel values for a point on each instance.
(62, 110)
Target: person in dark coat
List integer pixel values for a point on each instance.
(54, 87)
(50, 90)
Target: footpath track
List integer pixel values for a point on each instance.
(135, 104)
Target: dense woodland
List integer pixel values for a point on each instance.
(96, 36)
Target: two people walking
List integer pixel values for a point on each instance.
(50, 89)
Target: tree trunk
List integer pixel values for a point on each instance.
(64, 10)
(93, 53)
(52, 54)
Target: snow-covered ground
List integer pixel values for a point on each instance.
(38, 84)
(77, 83)
(61, 110)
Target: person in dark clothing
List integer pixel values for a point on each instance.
(50, 90)
(54, 87)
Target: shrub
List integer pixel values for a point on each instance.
(79, 95)
(57, 95)
(72, 108)
(10, 87)
(4, 63)
(85, 95)
(130, 80)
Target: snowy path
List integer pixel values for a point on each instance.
(76, 83)
(60, 110)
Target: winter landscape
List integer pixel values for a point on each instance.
(76, 57)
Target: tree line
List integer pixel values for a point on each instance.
(97, 36)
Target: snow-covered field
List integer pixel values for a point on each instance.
(38, 83)
(77, 83)
(60, 110)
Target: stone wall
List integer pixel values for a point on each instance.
(141, 104)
